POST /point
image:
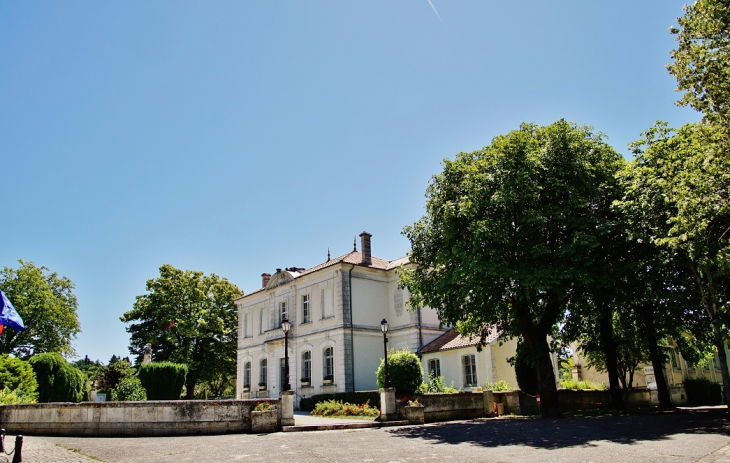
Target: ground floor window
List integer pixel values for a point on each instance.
(247, 374)
(328, 363)
(434, 368)
(470, 370)
(262, 372)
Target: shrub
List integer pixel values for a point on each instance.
(404, 370)
(58, 381)
(702, 391)
(163, 380)
(359, 397)
(338, 408)
(110, 376)
(499, 386)
(584, 385)
(436, 385)
(129, 389)
(263, 406)
(17, 381)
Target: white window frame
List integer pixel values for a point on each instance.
(247, 374)
(469, 367)
(436, 370)
(328, 362)
(283, 311)
(263, 372)
(306, 309)
(307, 364)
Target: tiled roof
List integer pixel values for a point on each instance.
(353, 257)
(453, 340)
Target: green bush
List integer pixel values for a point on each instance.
(360, 397)
(499, 386)
(58, 380)
(584, 385)
(702, 391)
(129, 389)
(404, 370)
(338, 408)
(110, 376)
(163, 380)
(17, 381)
(436, 385)
(525, 371)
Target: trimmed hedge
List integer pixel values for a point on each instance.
(163, 380)
(359, 397)
(404, 371)
(702, 391)
(58, 380)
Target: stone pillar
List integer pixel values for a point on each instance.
(576, 373)
(488, 403)
(388, 410)
(287, 408)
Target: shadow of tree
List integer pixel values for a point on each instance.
(570, 432)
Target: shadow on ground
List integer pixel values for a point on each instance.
(570, 432)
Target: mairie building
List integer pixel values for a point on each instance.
(335, 310)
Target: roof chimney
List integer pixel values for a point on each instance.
(367, 258)
(265, 277)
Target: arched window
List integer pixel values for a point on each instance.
(328, 363)
(247, 374)
(262, 372)
(306, 365)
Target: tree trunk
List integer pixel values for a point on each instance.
(549, 402)
(722, 358)
(609, 348)
(657, 360)
(190, 382)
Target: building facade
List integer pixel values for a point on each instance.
(335, 309)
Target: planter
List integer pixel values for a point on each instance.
(306, 383)
(327, 382)
(262, 388)
(264, 421)
(246, 389)
(414, 414)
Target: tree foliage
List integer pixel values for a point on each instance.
(129, 389)
(404, 371)
(507, 232)
(163, 380)
(58, 380)
(47, 305)
(187, 318)
(17, 381)
(702, 59)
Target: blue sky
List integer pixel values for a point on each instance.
(235, 137)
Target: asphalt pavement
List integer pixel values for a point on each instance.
(677, 436)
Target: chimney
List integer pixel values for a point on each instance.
(367, 258)
(265, 277)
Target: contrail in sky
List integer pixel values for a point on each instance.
(434, 10)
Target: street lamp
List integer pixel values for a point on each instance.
(286, 327)
(384, 329)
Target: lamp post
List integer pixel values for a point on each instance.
(384, 329)
(285, 327)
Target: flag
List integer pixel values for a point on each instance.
(8, 315)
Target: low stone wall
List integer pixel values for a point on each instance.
(445, 407)
(153, 418)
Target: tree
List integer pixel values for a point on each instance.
(405, 372)
(163, 380)
(506, 236)
(187, 318)
(58, 380)
(47, 305)
(678, 195)
(702, 59)
(17, 381)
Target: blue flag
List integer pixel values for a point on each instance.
(8, 315)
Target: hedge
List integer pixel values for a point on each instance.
(360, 397)
(702, 391)
(58, 380)
(404, 372)
(163, 380)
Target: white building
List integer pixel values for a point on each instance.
(335, 309)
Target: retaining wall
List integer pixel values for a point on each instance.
(153, 418)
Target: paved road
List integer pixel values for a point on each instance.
(669, 436)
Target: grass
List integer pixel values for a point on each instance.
(81, 453)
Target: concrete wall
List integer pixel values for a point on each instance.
(153, 418)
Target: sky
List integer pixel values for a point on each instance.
(237, 137)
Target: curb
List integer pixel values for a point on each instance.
(334, 427)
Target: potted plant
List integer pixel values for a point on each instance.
(262, 386)
(264, 418)
(246, 387)
(306, 382)
(328, 379)
(414, 412)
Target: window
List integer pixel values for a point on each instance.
(328, 363)
(262, 372)
(470, 370)
(306, 311)
(327, 303)
(247, 374)
(306, 365)
(673, 358)
(434, 368)
(264, 322)
(282, 374)
(283, 311)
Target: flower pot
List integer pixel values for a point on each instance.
(246, 389)
(414, 414)
(327, 381)
(262, 388)
(264, 421)
(305, 383)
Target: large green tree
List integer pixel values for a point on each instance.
(507, 234)
(678, 194)
(47, 305)
(188, 318)
(702, 59)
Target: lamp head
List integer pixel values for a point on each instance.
(285, 325)
(384, 326)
